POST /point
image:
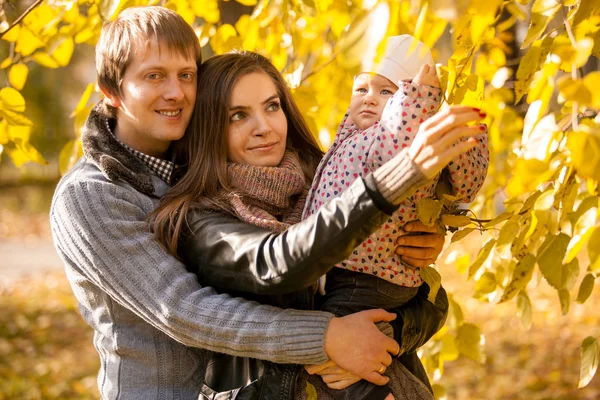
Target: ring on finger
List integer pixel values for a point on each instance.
(381, 370)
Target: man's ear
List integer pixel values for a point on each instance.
(113, 99)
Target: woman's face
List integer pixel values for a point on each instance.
(257, 125)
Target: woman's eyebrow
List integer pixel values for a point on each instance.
(270, 98)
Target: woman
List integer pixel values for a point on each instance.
(234, 216)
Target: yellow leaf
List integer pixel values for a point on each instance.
(85, 97)
(527, 174)
(585, 289)
(17, 75)
(592, 83)
(45, 60)
(520, 277)
(481, 257)
(524, 309)
(585, 153)
(207, 10)
(428, 210)
(570, 55)
(225, 39)
(4, 132)
(18, 133)
(433, 278)
(590, 357)
(69, 154)
(11, 100)
(530, 64)
(27, 42)
(6, 63)
(15, 118)
(543, 12)
(455, 220)
(469, 341)
(247, 2)
(63, 52)
(13, 34)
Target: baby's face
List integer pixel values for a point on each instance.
(370, 93)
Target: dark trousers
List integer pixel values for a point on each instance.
(348, 292)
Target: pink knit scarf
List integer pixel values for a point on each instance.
(269, 197)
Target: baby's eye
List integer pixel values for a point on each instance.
(386, 92)
(361, 90)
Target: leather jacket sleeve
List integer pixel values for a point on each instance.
(234, 256)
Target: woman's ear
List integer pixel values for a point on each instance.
(113, 99)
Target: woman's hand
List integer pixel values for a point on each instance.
(334, 376)
(419, 250)
(439, 138)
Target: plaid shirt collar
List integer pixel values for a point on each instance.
(159, 167)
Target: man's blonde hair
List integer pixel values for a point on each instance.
(131, 33)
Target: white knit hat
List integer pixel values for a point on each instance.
(400, 62)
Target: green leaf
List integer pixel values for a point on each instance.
(524, 309)
(565, 300)
(590, 354)
(433, 278)
(428, 210)
(585, 289)
(469, 341)
(550, 257)
(520, 278)
(481, 257)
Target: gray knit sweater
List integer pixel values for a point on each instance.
(150, 315)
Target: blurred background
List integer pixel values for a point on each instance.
(46, 349)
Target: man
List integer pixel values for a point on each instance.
(149, 314)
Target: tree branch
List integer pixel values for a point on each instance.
(18, 20)
(574, 76)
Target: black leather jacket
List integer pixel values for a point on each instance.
(280, 269)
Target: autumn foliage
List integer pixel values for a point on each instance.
(538, 211)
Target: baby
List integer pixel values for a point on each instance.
(387, 106)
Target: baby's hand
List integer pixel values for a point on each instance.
(427, 76)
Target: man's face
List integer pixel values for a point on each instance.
(370, 93)
(158, 92)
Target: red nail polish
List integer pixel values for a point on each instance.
(482, 115)
(482, 127)
(476, 109)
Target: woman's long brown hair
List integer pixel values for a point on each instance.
(203, 150)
